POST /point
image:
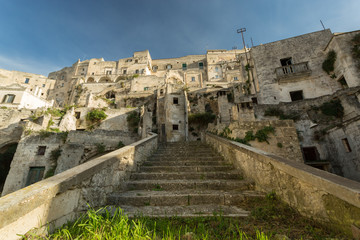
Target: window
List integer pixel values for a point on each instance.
(77, 115)
(142, 71)
(41, 150)
(62, 77)
(108, 72)
(27, 80)
(146, 88)
(168, 67)
(8, 98)
(175, 100)
(175, 127)
(254, 100)
(286, 61)
(184, 66)
(346, 144)
(62, 84)
(217, 76)
(92, 74)
(35, 174)
(137, 71)
(193, 79)
(155, 68)
(235, 78)
(296, 95)
(201, 65)
(43, 85)
(124, 71)
(136, 61)
(161, 91)
(128, 60)
(83, 69)
(216, 68)
(94, 63)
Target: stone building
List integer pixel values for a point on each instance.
(241, 88)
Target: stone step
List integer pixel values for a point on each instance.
(186, 175)
(169, 185)
(182, 198)
(185, 168)
(185, 158)
(183, 211)
(185, 163)
(186, 155)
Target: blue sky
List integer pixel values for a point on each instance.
(41, 36)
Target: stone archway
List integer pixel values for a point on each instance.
(90, 80)
(6, 156)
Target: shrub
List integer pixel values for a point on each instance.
(333, 108)
(328, 64)
(282, 116)
(356, 47)
(96, 115)
(202, 119)
(100, 147)
(262, 134)
(133, 119)
(120, 144)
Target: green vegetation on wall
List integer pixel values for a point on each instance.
(133, 119)
(356, 48)
(261, 135)
(328, 64)
(333, 108)
(54, 155)
(280, 113)
(202, 119)
(96, 115)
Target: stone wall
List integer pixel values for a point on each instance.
(305, 48)
(61, 198)
(314, 193)
(284, 142)
(76, 148)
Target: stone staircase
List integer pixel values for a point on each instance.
(185, 180)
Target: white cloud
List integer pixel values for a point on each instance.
(26, 65)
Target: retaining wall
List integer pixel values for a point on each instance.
(64, 196)
(314, 193)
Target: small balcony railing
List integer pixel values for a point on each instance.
(292, 70)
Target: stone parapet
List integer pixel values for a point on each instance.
(323, 196)
(63, 197)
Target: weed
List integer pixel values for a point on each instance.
(158, 188)
(3, 107)
(120, 144)
(279, 145)
(100, 147)
(44, 134)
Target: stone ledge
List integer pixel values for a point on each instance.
(41, 195)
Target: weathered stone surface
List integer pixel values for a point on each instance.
(315, 193)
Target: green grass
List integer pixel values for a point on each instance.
(269, 218)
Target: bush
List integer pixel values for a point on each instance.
(282, 116)
(133, 119)
(328, 64)
(100, 147)
(202, 119)
(333, 108)
(96, 115)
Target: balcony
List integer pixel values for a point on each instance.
(293, 70)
